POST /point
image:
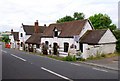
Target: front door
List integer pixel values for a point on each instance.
(81, 47)
(66, 46)
(55, 47)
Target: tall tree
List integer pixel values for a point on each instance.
(102, 21)
(65, 19)
(76, 16)
(117, 35)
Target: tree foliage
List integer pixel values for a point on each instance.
(5, 39)
(117, 35)
(65, 19)
(76, 16)
(102, 21)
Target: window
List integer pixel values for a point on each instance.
(55, 33)
(21, 44)
(37, 46)
(46, 42)
(21, 35)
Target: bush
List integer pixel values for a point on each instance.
(98, 55)
(103, 55)
(118, 46)
(117, 35)
(91, 57)
(81, 59)
(70, 58)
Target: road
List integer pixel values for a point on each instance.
(21, 65)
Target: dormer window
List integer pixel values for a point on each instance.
(55, 33)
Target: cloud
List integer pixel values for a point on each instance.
(15, 12)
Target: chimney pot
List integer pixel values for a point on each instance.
(11, 30)
(44, 24)
(36, 28)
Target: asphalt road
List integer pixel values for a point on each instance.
(21, 65)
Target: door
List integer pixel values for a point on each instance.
(66, 46)
(81, 47)
(55, 47)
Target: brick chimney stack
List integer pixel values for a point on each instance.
(36, 28)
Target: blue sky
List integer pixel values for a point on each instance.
(15, 12)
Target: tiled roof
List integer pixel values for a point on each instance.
(67, 29)
(16, 35)
(35, 38)
(92, 36)
(29, 29)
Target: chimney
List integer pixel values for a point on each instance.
(36, 28)
(11, 30)
(44, 24)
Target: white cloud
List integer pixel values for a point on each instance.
(15, 12)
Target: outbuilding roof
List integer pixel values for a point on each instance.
(92, 36)
(35, 38)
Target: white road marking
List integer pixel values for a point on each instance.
(75, 64)
(100, 69)
(18, 57)
(5, 51)
(56, 74)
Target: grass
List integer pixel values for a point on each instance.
(102, 56)
(56, 57)
(69, 58)
(112, 55)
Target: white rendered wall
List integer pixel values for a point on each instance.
(85, 28)
(60, 41)
(89, 50)
(108, 37)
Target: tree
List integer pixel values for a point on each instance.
(102, 21)
(5, 39)
(76, 16)
(118, 45)
(117, 35)
(65, 19)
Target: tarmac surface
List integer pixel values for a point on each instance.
(109, 63)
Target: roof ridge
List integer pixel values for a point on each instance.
(68, 22)
(33, 26)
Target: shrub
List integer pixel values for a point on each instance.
(81, 59)
(98, 55)
(70, 58)
(74, 58)
(91, 57)
(117, 35)
(103, 55)
(118, 46)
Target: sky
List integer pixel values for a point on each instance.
(15, 12)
